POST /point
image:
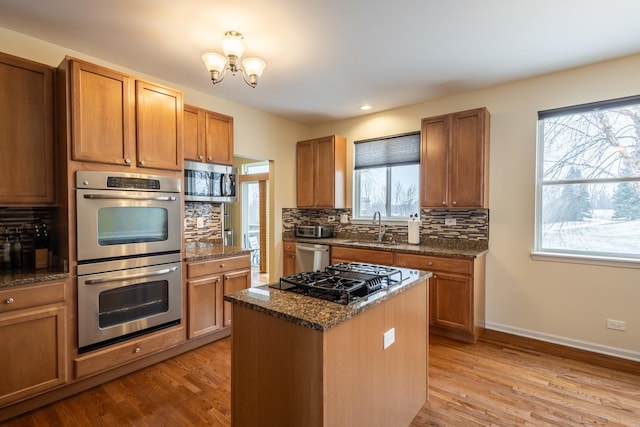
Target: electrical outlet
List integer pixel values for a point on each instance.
(449, 221)
(344, 218)
(199, 222)
(331, 218)
(618, 325)
(389, 338)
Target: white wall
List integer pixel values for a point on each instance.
(257, 134)
(560, 302)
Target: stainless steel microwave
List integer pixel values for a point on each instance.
(206, 182)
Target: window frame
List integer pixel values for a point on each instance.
(570, 255)
(386, 215)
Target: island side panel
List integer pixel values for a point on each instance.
(276, 371)
(368, 385)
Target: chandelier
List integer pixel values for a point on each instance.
(233, 48)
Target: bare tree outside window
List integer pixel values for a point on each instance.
(588, 184)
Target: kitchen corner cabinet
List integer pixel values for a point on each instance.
(321, 172)
(116, 119)
(454, 159)
(289, 259)
(207, 282)
(456, 294)
(26, 119)
(208, 136)
(33, 334)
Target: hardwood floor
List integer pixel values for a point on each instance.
(486, 384)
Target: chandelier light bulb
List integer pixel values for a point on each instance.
(232, 44)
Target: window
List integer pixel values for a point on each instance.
(386, 177)
(588, 180)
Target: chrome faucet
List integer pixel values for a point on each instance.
(380, 226)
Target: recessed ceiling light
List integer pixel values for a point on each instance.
(365, 107)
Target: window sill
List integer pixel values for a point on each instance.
(585, 259)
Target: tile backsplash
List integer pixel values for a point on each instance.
(211, 214)
(470, 224)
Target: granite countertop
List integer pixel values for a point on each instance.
(456, 248)
(316, 313)
(204, 250)
(9, 278)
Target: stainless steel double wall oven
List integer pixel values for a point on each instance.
(129, 241)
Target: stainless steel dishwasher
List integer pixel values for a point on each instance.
(312, 257)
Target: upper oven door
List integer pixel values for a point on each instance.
(114, 223)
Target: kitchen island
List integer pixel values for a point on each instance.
(302, 361)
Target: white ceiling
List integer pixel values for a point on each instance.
(327, 57)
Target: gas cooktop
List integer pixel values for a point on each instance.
(343, 283)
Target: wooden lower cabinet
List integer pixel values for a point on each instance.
(371, 256)
(456, 294)
(289, 259)
(33, 334)
(129, 351)
(456, 289)
(207, 282)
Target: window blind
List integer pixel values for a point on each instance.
(388, 151)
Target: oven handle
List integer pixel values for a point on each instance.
(109, 197)
(131, 276)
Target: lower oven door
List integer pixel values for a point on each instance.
(116, 304)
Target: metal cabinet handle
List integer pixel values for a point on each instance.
(201, 157)
(127, 161)
(430, 263)
(142, 163)
(455, 203)
(137, 350)
(221, 265)
(444, 202)
(131, 276)
(9, 301)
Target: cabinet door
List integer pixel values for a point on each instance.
(289, 266)
(205, 303)
(159, 127)
(193, 135)
(219, 138)
(234, 282)
(450, 297)
(102, 116)
(324, 173)
(33, 356)
(434, 161)
(467, 174)
(26, 132)
(305, 154)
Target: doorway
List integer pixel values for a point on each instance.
(254, 193)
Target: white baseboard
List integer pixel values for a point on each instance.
(568, 342)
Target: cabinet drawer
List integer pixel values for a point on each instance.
(215, 266)
(289, 247)
(341, 254)
(431, 263)
(129, 351)
(19, 297)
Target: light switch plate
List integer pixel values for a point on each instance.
(200, 222)
(449, 221)
(389, 338)
(344, 218)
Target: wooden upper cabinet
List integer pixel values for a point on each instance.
(219, 138)
(159, 127)
(102, 114)
(118, 120)
(321, 172)
(455, 160)
(26, 132)
(193, 134)
(208, 136)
